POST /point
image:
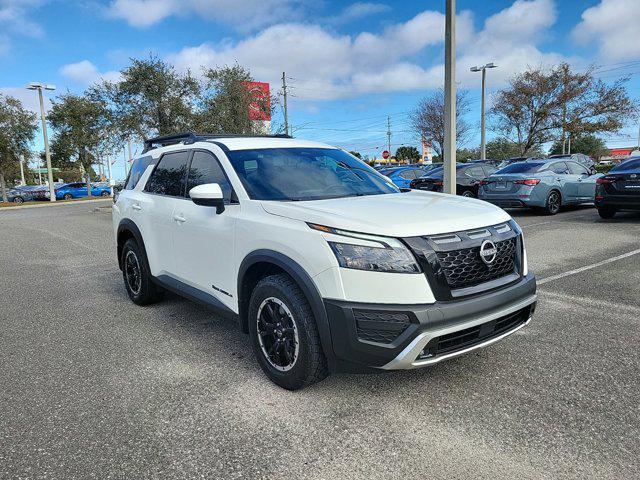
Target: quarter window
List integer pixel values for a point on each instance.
(169, 176)
(205, 168)
(137, 169)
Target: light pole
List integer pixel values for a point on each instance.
(483, 144)
(39, 87)
(22, 170)
(449, 151)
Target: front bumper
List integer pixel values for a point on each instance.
(394, 337)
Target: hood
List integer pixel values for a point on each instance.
(395, 215)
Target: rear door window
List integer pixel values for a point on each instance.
(559, 167)
(577, 169)
(475, 172)
(205, 168)
(169, 177)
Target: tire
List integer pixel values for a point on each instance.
(67, 196)
(606, 212)
(277, 301)
(468, 194)
(18, 200)
(553, 203)
(104, 194)
(136, 276)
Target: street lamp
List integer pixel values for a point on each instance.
(39, 87)
(483, 69)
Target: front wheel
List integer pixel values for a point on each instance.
(67, 196)
(554, 201)
(468, 194)
(284, 334)
(606, 213)
(137, 279)
(104, 194)
(18, 200)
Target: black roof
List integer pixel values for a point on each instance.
(190, 137)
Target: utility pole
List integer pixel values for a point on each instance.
(483, 143)
(39, 87)
(22, 169)
(450, 99)
(389, 136)
(286, 112)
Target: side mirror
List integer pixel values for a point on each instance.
(208, 195)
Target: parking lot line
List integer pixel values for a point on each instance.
(621, 308)
(587, 267)
(536, 224)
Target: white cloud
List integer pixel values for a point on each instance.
(358, 10)
(85, 73)
(613, 26)
(15, 19)
(326, 65)
(248, 14)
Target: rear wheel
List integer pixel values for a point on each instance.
(67, 196)
(284, 334)
(468, 194)
(104, 194)
(606, 212)
(554, 202)
(18, 200)
(137, 279)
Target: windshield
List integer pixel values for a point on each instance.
(633, 164)
(521, 167)
(306, 174)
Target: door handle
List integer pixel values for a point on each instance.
(179, 219)
(135, 206)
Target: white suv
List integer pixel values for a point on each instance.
(323, 261)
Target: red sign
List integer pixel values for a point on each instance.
(386, 154)
(260, 106)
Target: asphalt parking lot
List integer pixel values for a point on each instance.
(92, 386)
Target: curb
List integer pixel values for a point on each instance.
(56, 204)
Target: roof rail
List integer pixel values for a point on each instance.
(190, 137)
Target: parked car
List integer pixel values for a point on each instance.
(619, 189)
(79, 190)
(581, 158)
(327, 267)
(545, 184)
(468, 177)
(403, 175)
(19, 195)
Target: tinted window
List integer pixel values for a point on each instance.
(559, 167)
(205, 168)
(408, 174)
(577, 169)
(306, 174)
(521, 167)
(633, 164)
(169, 176)
(475, 172)
(489, 169)
(137, 169)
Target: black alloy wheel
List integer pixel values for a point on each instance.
(554, 201)
(277, 334)
(132, 272)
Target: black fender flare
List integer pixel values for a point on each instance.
(128, 225)
(304, 281)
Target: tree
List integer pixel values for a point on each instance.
(537, 105)
(428, 118)
(355, 154)
(81, 131)
(408, 154)
(226, 100)
(501, 148)
(465, 154)
(151, 98)
(18, 128)
(587, 144)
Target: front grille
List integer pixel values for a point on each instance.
(380, 326)
(465, 268)
(478, 334)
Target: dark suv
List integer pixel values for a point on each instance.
(619, 189)
(468, 177)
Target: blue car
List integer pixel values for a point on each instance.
(79, 190)
(544, 184)
(403, 175)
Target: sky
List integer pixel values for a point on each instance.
(348, 65)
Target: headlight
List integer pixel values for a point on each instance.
(388, 254)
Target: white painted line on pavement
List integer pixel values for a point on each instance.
(587, 267)
(590, 302)
(536, 224)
